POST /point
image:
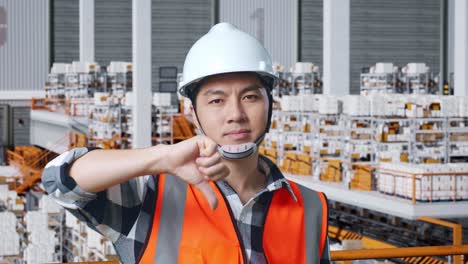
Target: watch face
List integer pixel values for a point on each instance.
(3, 26)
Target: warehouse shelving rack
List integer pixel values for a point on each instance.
(379, 83)
(386, 141)
(399, 82)
(55, 91)
(457, 134)
(294, 83)
(80, 89)
(359, 152)
(289, 141)
(163, 124)
(429, 140)
(415, 140)
(56, 223)
(419, 83)
(358, 131)
(327, 147)
(116, 123)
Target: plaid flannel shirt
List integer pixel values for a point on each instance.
(123, 213)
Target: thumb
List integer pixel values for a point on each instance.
(207, 147)
(209, 193)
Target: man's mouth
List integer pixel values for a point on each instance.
(238, 134)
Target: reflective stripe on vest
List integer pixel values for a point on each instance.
(318, 216)
(190, 232)
(169, 213)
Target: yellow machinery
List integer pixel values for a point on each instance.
(31, 162)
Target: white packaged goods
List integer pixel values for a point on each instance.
(5, 193)
(36, 220)
(71, 221)
(84, 67)
(9, 171)
(90, 246)
(42, 240)
(302, 67)
(47, 205)
(119, 67)
(43, 236)
(94, 239)
(356, 105)
(414, 68)
(315, 107)
(102, 98)
(39, 254)
(307, 103)
(290, 103)
(462, 106)
(362, 150)
(396, 179)
(383, 67)
(388, 105)
(79, 67)
(59, 68)
(129, 99)
(8, 233)
(377, 104)
(450, 106)
(69, 68)
(10, 198)
(293, 139)
(162, 99)
(329, 105)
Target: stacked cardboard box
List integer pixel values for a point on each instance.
(362, 178)
(332, 171)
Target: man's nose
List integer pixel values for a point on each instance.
(235, 112)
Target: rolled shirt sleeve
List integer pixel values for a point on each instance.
(60, 186)
(111, 212)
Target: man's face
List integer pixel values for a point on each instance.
(232, 108)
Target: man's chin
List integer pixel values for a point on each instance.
(236, 142)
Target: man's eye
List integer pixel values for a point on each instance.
(215, 101)
(251, 97)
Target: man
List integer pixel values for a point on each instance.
(209, 199)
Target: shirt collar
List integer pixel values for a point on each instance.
(275, 179)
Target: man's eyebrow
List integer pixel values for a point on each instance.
(213, 91)
(252, 87)
(249, 88)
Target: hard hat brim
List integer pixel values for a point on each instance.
(188, 89)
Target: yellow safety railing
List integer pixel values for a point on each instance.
(382, 250)
(457, 230)
(400, 253)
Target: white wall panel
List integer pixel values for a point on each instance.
(273, 22)
(24, 54)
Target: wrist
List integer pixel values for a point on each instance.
(157, 161)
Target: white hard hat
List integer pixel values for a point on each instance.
(224, 49)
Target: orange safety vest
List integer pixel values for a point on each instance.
(190, 232)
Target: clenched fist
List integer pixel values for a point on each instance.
(197, 161)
